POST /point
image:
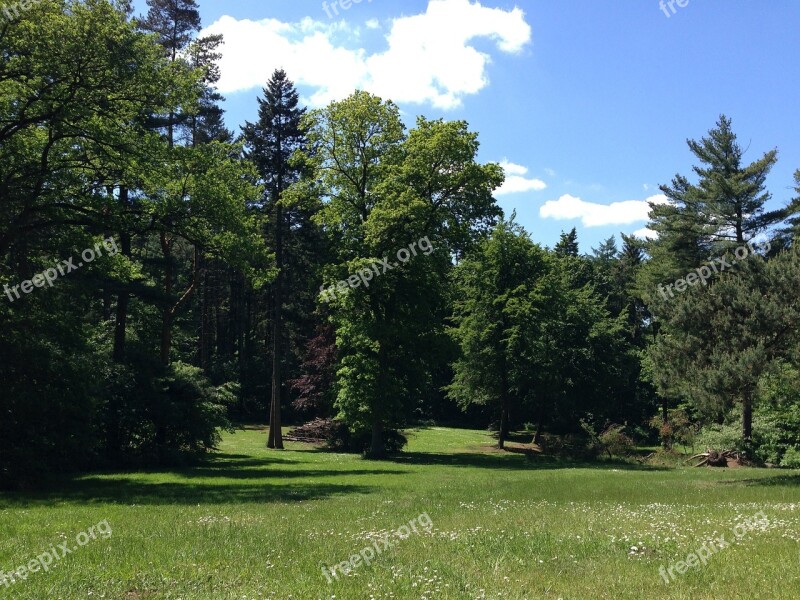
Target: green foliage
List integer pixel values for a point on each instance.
(770, 442)
(791, 458)
(719, 341)
(612, 440)
(616, 442)
(535, 341)
(721, 437)
(381, 195)
(677, 428)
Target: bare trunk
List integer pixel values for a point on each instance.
(503, 408)
(120, 326)
(747, 420)
(377, 448)
(377, 445)
(169, 313)
(275, 434)
(503, 422)
(166, 317)
(121, 318)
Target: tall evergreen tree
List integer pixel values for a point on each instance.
(730, 196)
(496, 300)
(271, 141)
(567, 244)
(175, 22)
(719, 340)
(725, 209)
(791, 233)
(208, 124)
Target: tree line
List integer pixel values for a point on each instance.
(215, 308)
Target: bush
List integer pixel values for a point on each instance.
(770, 438)
(578, 446)
(721, 437)
(154, 415)
(612, 441)
(615, 442)
(791, 458)
(677, 429)
(337, 436)
(48, 403)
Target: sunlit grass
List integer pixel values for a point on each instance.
(256, 524)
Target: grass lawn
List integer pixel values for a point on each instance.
(255, 524)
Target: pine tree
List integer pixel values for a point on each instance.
(791, 233)
(720, 340)
(271, 141)
(730, 196)
(568, 244)
(175, 22)
(209, 124)
(724, 210)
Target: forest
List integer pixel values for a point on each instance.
(345, 270)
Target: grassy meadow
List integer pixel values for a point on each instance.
(253, 524)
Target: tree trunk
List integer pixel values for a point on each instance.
(377, 448)
(747, 420)
(204, 342)
(503, 423)
(503, 409)
(169, 313)
(275, 434)
(166, 318)
(377, 445)
(121, 319)
(537, 437)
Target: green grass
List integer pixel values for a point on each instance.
(255, 524)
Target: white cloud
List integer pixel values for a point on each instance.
(429, 58)
(645, 234)
(593, 214)
(516, 182)
(550, 172)
(373, 24)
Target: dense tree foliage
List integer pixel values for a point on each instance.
(163, 278)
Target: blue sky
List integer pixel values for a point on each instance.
(592, 99)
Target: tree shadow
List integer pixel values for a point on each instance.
(246, 473)
(258, 481)
(128, 492)
(512, 460)
(766, 481)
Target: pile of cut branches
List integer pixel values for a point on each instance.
(713, 458)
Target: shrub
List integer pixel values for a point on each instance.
(337, 436)
(615, 442)
(791, 458)
(770, 436)
(721, 437)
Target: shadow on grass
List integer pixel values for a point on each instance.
(512, 461)
(266, 484)
(768, 480)
(233, 472)
(126, 491)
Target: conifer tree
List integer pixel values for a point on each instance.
(271, 141)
